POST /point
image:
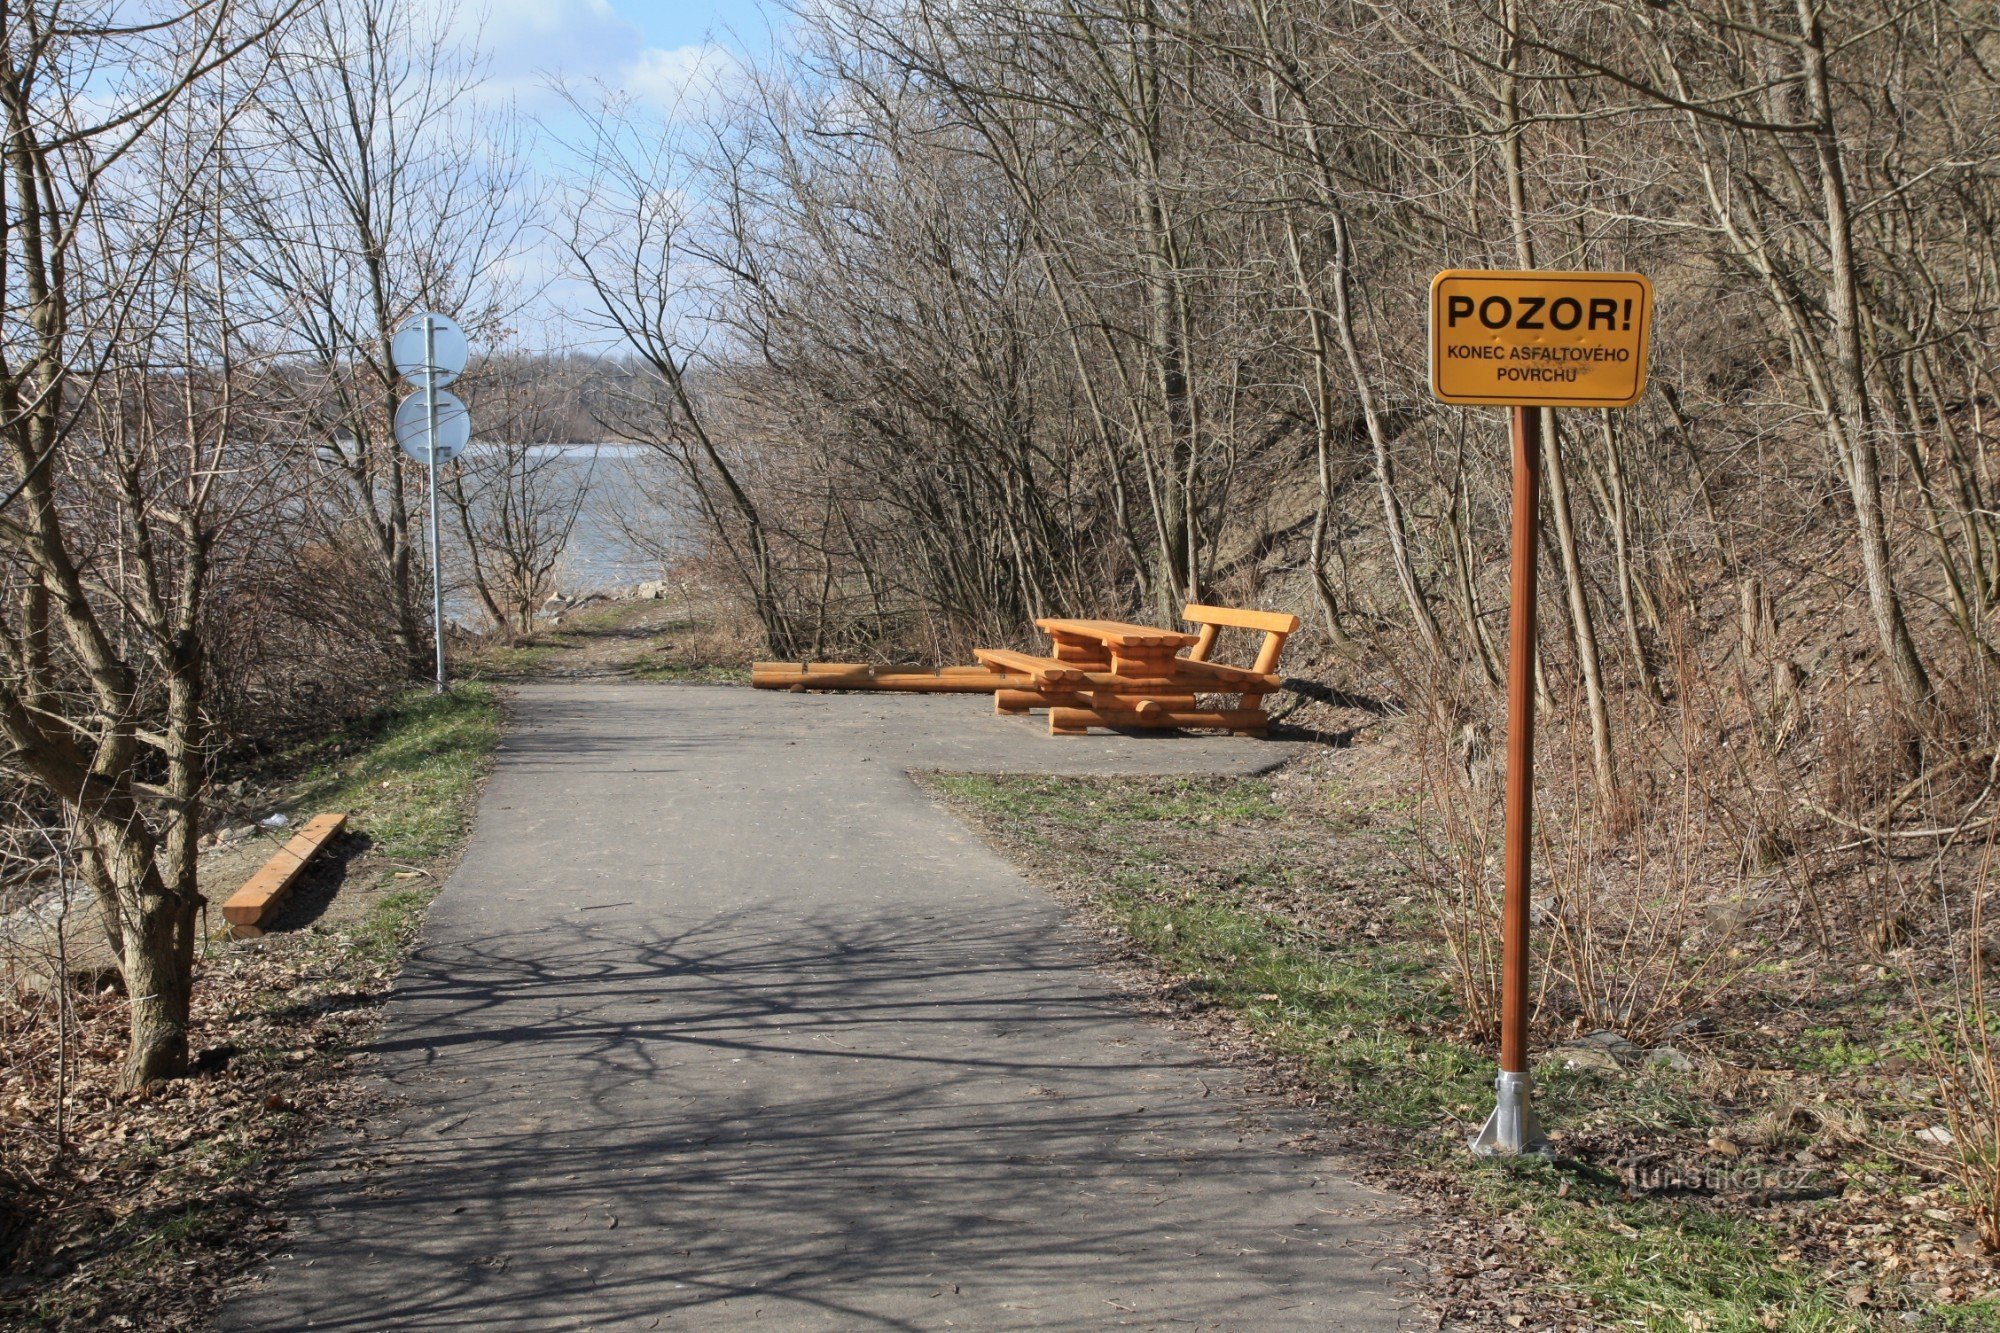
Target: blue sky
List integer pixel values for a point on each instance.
(657, 51)
(671, 23)
(647, 47)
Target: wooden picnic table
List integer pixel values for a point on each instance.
(1108, 673)
(1098, 673)
(1115, 633)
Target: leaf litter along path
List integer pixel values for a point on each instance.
(721, 1020)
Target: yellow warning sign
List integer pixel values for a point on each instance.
(1536, 339)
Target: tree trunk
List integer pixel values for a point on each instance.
(1583, 627)
(1849, 423)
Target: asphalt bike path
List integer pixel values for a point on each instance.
(722, 1022)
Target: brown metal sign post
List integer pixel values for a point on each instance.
(1528, 340)
(1513, 1128)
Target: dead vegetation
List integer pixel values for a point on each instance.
(132, 1213)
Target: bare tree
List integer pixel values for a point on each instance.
(628, 240)
(517, 493)
(374, 183)
(1774, 116)
(118, 380)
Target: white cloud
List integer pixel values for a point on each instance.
(684, 81)
(527, 43)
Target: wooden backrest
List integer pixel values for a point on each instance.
(1274, 622)
(1277, 627)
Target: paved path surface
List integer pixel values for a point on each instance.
(721, 1022)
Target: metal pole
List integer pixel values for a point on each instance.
(431, 438)
(1513, 1127)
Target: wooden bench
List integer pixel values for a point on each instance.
(251, 907)
(1044, 672)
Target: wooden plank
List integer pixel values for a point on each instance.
(1080, 652)
(926, 683)
(1045, 670)
(819, 671)
(251, 906)
(920, 669)
(783, 675)
(1267, 656)
(1173, 703)
(1274, 622)
(1021, 701)
(1117, 634)
(1225, 674)
(1186, 678)
(1151, 663)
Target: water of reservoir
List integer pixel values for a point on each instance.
(629, 525)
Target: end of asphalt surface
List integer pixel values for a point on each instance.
(721, 1021)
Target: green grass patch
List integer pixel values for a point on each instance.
(1982, 1314)
(1081, 803)
(688, 673)
(597, 619)
(390, 925)
(519, 659)
(1358, 1016)
(1651, 1263)
(410, 787)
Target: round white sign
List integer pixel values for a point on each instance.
(454, 427)
(447, 348)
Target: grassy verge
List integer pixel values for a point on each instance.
(1033, 801)
(641, 639)
(505, 661)
(1364, 1022)
(551, 646)
(655, 668)
(695, 650)
(1236, 898)
(148, 1206)
(412, 771)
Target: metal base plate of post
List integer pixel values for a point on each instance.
(1513, 1129)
